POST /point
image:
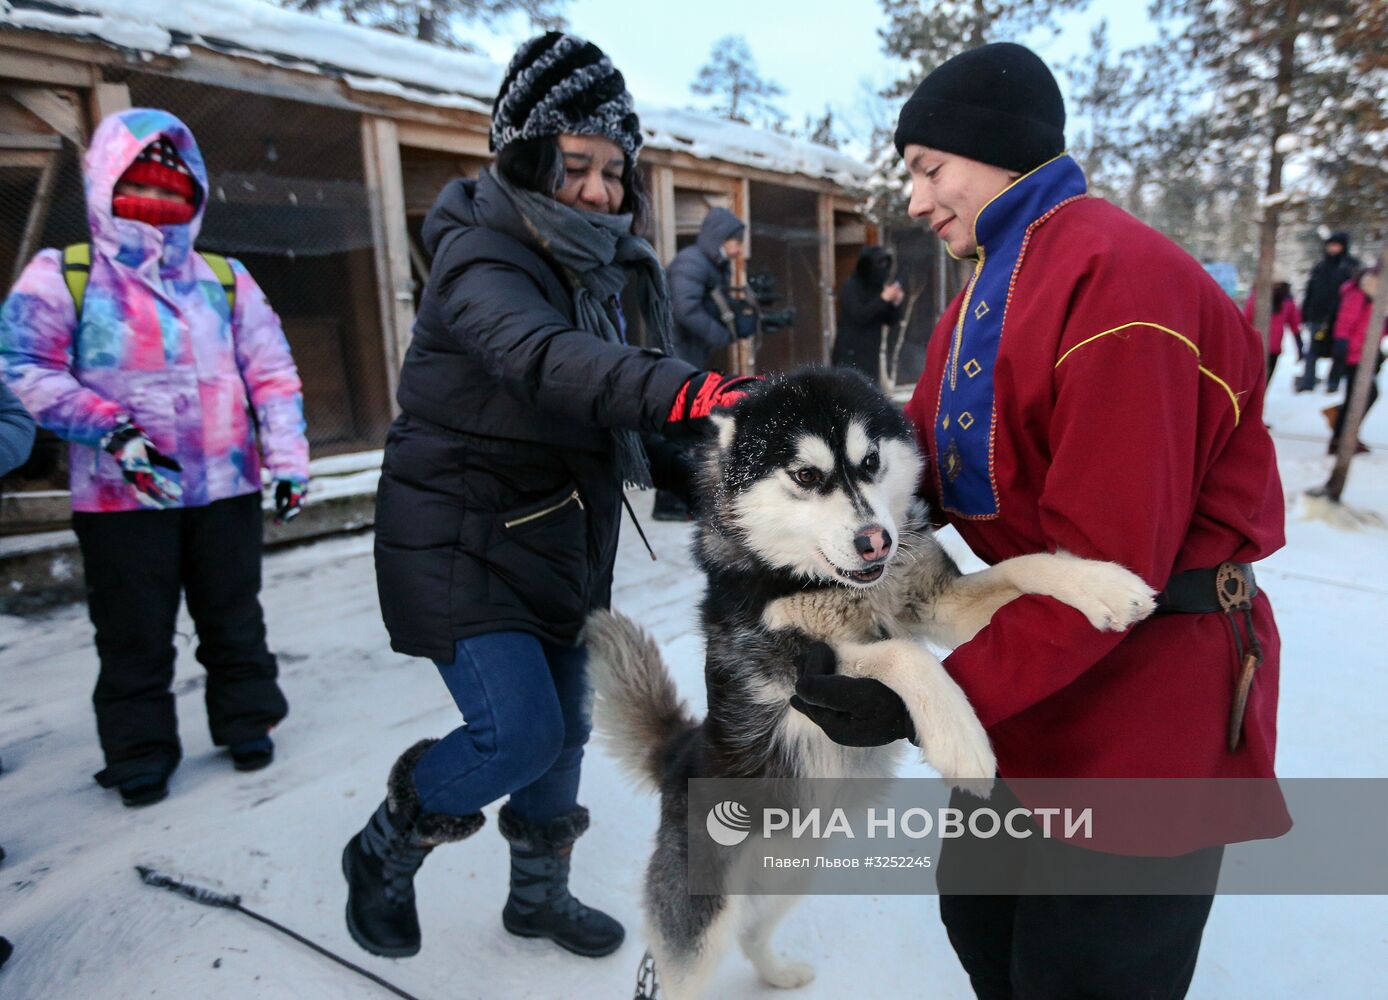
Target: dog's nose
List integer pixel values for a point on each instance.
(873, 543)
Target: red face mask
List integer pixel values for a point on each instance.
(156, 211)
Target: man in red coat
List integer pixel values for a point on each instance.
(1091, 391)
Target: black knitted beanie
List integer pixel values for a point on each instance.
(997, 104)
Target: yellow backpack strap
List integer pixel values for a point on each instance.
(226, 277)
(77, 268)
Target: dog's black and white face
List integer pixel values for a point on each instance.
(815, 474)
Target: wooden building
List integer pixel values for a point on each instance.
(326, 145)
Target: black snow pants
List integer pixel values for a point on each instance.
(1071, 947)
(1351, 373)
(137, 563)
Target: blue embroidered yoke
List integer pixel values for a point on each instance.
(966, 414)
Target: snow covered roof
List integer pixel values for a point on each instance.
(378, 61)
(714, 138)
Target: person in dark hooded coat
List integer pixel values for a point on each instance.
(696, 273)
(701, 328)
(522, 409)
(867, 302)
(1319, 306)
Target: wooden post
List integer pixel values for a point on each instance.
(663, 210)
(38, 213)
(106, 98)
(825, 209)
(59, 109)
(1359, 391)
(390, 239)
(744, 348)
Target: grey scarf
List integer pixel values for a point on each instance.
(598, 254)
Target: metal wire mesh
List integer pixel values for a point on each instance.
(918, 268)
(287, 197)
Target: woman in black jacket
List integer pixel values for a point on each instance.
(866, 304)
(522, 406)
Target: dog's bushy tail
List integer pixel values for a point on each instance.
(636, 710)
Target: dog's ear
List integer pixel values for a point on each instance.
(727, 427)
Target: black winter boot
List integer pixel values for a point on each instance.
(380, 862)
(540, 904)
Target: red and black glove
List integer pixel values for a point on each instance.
(700, 396)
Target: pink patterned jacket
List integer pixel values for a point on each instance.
(217, 392)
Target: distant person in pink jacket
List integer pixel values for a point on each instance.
(170, 376)
(1285, 318)
(1351, 333)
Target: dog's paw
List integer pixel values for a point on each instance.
(965, 761)
(787, 975)
(981, 788)
(956, 745)
(1111, 597)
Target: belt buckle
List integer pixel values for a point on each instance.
(1233, 588)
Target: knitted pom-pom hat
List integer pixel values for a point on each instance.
(558, 84)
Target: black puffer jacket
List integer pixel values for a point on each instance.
(863, 312)
(694, 273)
(499, 503)
(1322, 299)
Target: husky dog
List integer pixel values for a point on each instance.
(809, 531)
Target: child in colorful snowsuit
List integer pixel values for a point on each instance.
(169, 375)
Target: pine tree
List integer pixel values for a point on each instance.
(822, 130)
(1104, 95)
(742, 93)
(1286, 76)
(434, 20)
(1352, 159)
(922, 35)
(1181, 179)
(925, 34)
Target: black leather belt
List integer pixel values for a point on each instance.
(1202, 591)
(1229, 588)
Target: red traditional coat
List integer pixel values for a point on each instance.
(1094, 391)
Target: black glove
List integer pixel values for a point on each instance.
(852, 711)
(672, 466)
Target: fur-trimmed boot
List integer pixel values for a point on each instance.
(540, 904)
(380, 862)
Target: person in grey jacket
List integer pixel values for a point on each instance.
(700, 269)
(16, 431)
(522, 413)
(701, 327)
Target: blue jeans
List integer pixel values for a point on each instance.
(525, 706)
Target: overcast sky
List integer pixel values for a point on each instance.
(820, 51)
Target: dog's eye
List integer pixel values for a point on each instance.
(809, 476)
(872, 462)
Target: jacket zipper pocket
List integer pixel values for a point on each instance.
(571, 498)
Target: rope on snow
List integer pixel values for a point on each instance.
(228, 901)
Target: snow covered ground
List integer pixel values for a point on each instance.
(84, 927)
